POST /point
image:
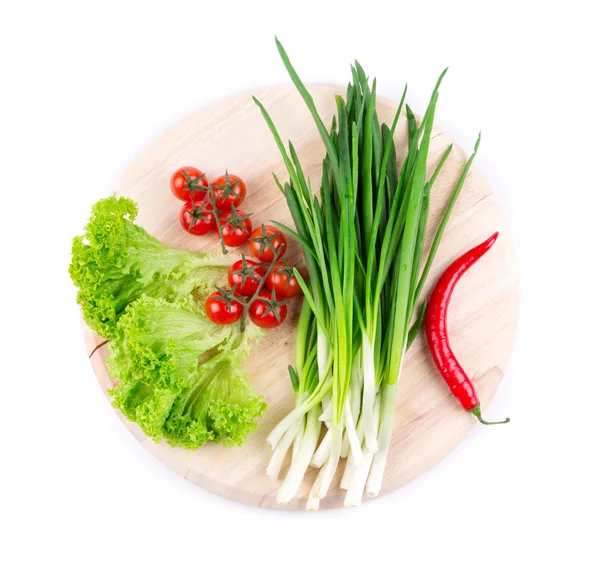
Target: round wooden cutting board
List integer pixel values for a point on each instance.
(430, 423)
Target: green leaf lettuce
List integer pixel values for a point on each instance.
(179, 375)
(115, 261)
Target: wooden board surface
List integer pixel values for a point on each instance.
(429, 423)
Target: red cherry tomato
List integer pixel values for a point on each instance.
(263, 238)
(230, 190)
(246, 274)
(196, 217)
(222, 309)
(267, 312)
(235, 226)
(195, 183)
(282, 279)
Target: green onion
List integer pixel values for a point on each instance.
(363, 239)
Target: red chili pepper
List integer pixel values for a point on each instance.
(437, 330)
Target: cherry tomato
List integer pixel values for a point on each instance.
(282, 279)
(263, 238)
(230, 190)
(196, 217)
(187, 181)
(246, 274)
(267, 311)
(223, 308)
(235, 226)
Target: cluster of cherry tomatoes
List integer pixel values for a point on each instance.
(205, 204)
(253, 291)
(262, 295)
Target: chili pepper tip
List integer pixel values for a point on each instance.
(477, 412)
(491, 240)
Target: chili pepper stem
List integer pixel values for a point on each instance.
(477, 412)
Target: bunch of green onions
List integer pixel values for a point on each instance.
(362, 238)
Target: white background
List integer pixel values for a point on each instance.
(87, 86)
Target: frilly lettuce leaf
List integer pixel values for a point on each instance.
(115, 261)
(180, 376)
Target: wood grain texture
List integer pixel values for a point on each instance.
(483, 316)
